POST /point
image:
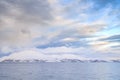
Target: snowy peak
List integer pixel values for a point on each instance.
(31, 55)
(36, 56)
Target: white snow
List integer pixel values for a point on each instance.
(33, 54)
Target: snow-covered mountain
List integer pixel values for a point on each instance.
(31, 55)
(36, 56)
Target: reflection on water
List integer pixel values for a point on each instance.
(59, 71)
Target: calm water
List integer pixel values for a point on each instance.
(60, 71)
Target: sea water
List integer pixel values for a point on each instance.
(60, 71)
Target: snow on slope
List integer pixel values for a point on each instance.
(33, 54)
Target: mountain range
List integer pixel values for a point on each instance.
(35, 56)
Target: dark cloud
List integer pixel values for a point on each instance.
(116, 47)
(114, 38)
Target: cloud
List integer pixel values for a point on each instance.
(24, 21)
(105, 42)
(59, 25)
(28, 11)
(114, 38)
(20, 19)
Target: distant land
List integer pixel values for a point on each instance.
(33, 56)
(63, 60)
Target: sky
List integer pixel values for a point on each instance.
(87, 29)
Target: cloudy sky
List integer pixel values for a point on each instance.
(84, 28)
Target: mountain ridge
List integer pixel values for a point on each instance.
(36, 56)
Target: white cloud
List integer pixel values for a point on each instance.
(26, 24)
(20, 21)
(69, 39)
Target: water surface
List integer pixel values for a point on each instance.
(59, 71)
